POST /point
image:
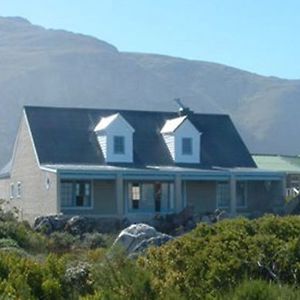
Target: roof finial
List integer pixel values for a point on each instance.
(183, 110)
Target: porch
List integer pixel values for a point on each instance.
(141, 196)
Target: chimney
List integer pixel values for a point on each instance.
(182, 110)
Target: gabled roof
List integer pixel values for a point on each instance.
(284, 163)
(66, 136)
(105, 122)
(171, 125)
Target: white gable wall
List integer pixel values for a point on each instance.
(187, 130)
(173, 140)
(118, 127)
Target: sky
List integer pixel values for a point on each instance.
(261, 36)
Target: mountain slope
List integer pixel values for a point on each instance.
(58, 68)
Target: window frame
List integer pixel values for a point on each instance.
(19, 190)
(116, 143)
(222, 184)
(74, 194)
(12, 190)
(136, 195)
(185, 147)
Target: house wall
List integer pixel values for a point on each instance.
(37, 198)
(4, 190)
(104, 200)
(201, 195)
(263, 197)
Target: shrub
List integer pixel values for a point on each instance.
(60, 242)
(7, 242)
(214, 258)
(93, 240)
(262, 290)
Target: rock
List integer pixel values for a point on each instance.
(78, 225)
(138, 237)
(43, 224)
(49, 224)
(222, 215)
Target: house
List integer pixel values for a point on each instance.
(116, 163)
(288, 164)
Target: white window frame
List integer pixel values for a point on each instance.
(121, 138)
(190, 141)
(19, 189)
(12, 191)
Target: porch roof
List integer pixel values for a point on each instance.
(160, 172)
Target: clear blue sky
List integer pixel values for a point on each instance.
(261, 36)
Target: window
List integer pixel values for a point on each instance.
(241, 194)
(19, 188)
(187, 146)
(223, 195)
(76, 194)
(12, 191)
(135, 195)
(150, 197)
(119, 145)
(47, 183)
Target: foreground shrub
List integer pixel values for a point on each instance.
(117, 277)
(22, 234)
(93, 240)
(216, 258)
(262, 290)
(60, 242)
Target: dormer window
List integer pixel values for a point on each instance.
(119, 144)
(115, 138)
(187, 146)
(182, 139)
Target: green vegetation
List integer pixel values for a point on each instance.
(233, 259)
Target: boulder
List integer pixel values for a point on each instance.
(136, 238)
(79, 225)
(49, 224)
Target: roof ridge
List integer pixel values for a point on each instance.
(120, 110)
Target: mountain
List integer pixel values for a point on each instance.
(58, 68)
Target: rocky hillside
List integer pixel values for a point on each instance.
(57, 68)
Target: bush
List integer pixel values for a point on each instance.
(60, 242)
(7, 242)
(262, 290)
(93, 240)
(216, 258)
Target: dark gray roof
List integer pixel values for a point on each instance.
(66, 136)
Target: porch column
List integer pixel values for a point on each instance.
(284, 186)
(120, 195)
(58, 193)
(178, 193)
(232, 195)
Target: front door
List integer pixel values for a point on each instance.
(157, 196)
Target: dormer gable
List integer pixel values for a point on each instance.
(115, 138)
(182, 139)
